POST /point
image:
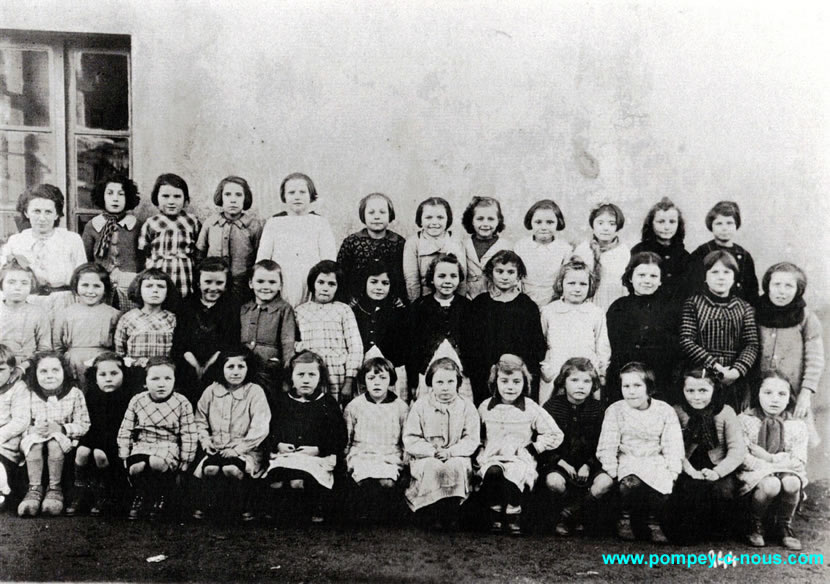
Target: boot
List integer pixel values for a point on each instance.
(496, 523)
(30, 505)
(755, 537)
(655, 531)
(784, 531)
(80, 489)
(513, 520)
(53, 501)
(624, 530)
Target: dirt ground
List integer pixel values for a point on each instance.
(115, 549)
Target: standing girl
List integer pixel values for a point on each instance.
(14, 420)
(168, 239)
(541, 252)
(605, 254)
(24, 329)
(297, 238)
(483, 220)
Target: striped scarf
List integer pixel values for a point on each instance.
(102, 248)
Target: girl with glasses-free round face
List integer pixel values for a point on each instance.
(434, 220)
(665, 225)
(108, 376)
(605, 227)
(510, 385)
(634, 390)
(171, 200)
(783, 286)
(212, 286)
(90, 289)
(575, 286)
(325, 288)
(485, 221)
(42, 214)
(578, 386)
(698, 392)
(50, 374)
(719, 279)
(297, 196)
(233, 199)
(543, 225)
(17, 285)
(444, 385)
(376, 216)
(378, 286)
(377, 384)
(506, 277)
(160, 380)
(305, 378)
(235, 371)
(645, 279)
(115, 198)
(724, 229)
(446, 279)
(153, 293)
(265, 284)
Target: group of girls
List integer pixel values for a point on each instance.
(177, 299)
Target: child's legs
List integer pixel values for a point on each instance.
(790, 496)
(601, 485)
(632, 495)
(556, 483)
(82, 455)
(498, 491)
(34, 464)
(54, 463)
(101, 459)
(762, 496)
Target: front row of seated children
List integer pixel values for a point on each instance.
(678, 468)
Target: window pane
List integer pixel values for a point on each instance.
(24, 88)
(98, 157)
(25, 160)
(102, 95)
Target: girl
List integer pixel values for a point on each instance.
(572, 326)
(168, 239)
(14, 420)
(52, 252)
(207, 323)
(85, 329)
(441, 433)
(791, 340)
(24, 329)
(157, 438)
(111, 238)
(483, 220)
(663, 234)
(232, 420)
(724, 220)
(147, 331)
(307, 433)
(604, 253)
(376, 242)
(641, 446)
(502, 321)
(643, 327)
(232, 233)
(713, 439)
(774, 470)
(433, 218)
(57, 418)
(297, 238)
(718, 331)
(516, 430)
(572, 472)
(109, 390)
(328, 328)
(541, 252)
(374, 429)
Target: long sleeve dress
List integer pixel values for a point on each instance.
(613, 263)
(746, 281)
(542, 261)
(357, 252)
(675, 263)
(165, 429)
(475, 281)
(375, 437)
(755, 469)
(418, 253)
(84, 332)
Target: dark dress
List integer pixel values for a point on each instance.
(358, 251)
(381, 324)
(106, 412)
(746, 282)
(581, 425)
(675, 262)
(429, 325)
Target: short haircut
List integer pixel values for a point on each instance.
(248, 199)
(324, 267)
(433, 202)
(42, 191)
(228, 354)
(609, 208)
(722, 256)
(7, 356)
(581, 364)
(544, 205)
(664, 204)
(307, 357)
(91, 374)
(361, 209)
(377, 364)
(575, 264)
(312, 190)
(160, 361)
(639, 259)
(508, 363)
(14, 265)
(131, 198)
(134, 290)
(268, 265)
(173, 180)
(645, 372)
(91, 268)
(470, 211)
(505, 256)
(31, 374)
(724, 209)
(443, 258)
(211, 264)
(446, 364)
(789, 268)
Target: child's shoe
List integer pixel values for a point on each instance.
(248, 516)
(317, 514)
(30, 505)
(198, 514)
(513, 524)
(159, 506)
(785, 533)
(53, 501)
(496, 523)
(624, 530)
(76, 501)
(137, 507)
(655, 531)
(755, 537)
(564, 526)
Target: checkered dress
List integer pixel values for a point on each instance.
(69, 411)
(140, 335)
(375, 447)
(166, 429)
(170, 245)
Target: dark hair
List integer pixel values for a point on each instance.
(160, 361)
(325, 267)
(306, 357)
(7, 356)
(134, 290)
(433, 202)
(248, 196)
(173, 180)
(14, 265)
(576, 364)
(377, 364)
(228, 354)
(639, 259)
(789, 268)
(755, 398)
(42, 191)
(107, 356)
(443, 258)
(505, 256)
(312, 190)
(470, 211)
(575, 264)
(544, 205)
(647, 373)
(361, 209)
(609, 208)
(664, 204)
(91, 268)
(268, 265)
(131, 198)
(724, 209)
(508, 363)
(722, 256)
(446, 364)
(707, 373)
(31, 374)
(210, 265)
(710, 376)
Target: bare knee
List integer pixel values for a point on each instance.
(210, 471)
(297, 484)
(769, 487)
(233, 472)
(158, 464)
(791, 485)
(601, 485)
(137, 468)
(82, 456)
(101, 460)
(555, 482)
(387, 483)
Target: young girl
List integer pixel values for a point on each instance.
(207, 323)
(604, 253)
(85, 329)
(516, 431)
(24, 328)
(572, 472)
(643, 327)
(663, 234)
(168, 239)
(724, 220)
(433, 218)
(52, 252)
(541, 252)
(483, 220)
(147, 331)
(713, 439)
(57, 418)
(109, 390)
(157, 438)
(232, 420)
(502, 321)
(111, 238)
(328, 328)
(376, 242)
(791, 337)
(297, 238)
(14, 420)
(774, 470)
(641, 446)
(374, 429)
(440, 436)
(573, 326)
(307, 433)
(232, 233)
(718, 330)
